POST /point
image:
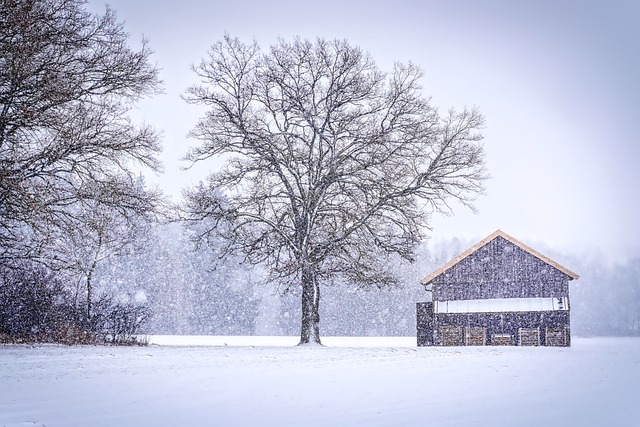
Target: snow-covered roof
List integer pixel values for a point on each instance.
(483, 242)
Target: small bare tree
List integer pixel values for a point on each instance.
(331, 164)
(67, 82)
(98, 232)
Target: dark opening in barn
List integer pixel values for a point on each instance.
(498, 292)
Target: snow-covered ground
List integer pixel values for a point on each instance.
(235, 381)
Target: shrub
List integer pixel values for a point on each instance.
(34, 304)
(118, 323)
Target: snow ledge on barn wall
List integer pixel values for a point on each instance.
(502, 305)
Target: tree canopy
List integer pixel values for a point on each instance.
(67, 82)
(331, 165)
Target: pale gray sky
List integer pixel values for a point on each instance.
(557, 81)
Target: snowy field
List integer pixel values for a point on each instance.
(267, 381)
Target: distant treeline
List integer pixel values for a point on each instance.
(192, 292)
(166, 286)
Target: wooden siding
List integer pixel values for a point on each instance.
(502, 339)
(557, 337)
(424, 323)
(529, 336)
(450, 335)
(475, 336)
(500, 269)
(506, 324)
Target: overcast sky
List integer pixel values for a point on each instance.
(558, 82)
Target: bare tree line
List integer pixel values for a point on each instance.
(68, 192)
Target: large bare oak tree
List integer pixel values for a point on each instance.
(331, 166)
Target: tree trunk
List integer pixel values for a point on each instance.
(89, 296)
(89, 285)
(310, 327)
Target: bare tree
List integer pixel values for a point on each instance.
(67, 83)
(100, 232)
(331, 165)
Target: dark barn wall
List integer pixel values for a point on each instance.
(424, 323)
(500, 269)
(504, 323)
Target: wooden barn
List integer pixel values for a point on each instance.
(498, 292)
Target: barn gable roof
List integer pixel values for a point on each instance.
(483, 242)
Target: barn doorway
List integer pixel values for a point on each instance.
(475, 336)
(556, 337)
(451, 335)
(502, 339)
(529, 336)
